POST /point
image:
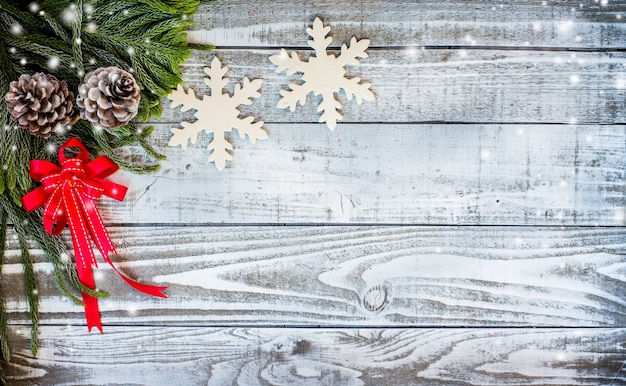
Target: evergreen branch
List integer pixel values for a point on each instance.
(159, 5)
(121, 44)
(12, 164)
(31, 287)
(28, 21)
(134, 134)
(57, 28)
(52, 246)
(101, 140)
(104, 56)
(77, 52)
(200, 47)
(141, 72)
(6, 75)
(38, 46)
(55, 250)
(148, 148)
(4, 335)
(124, 26)
(146, 35)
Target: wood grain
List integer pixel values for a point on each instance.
(408, 23)
(506, 115)
(253, 356)
(443, 86)
(389, 173)
(353, 276)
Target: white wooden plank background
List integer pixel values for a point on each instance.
(253, 356)
(433, 86)
(391, 173)
(467, 227)
(537, 23)
(365, 276)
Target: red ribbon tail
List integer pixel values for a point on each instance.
(153, 290)
(92, 312)
(105, 246)
(84, 256)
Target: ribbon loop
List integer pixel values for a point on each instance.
(82, 155)
(68, 194)
(40, 169)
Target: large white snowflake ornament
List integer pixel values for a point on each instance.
(217, 113)
(323, 74)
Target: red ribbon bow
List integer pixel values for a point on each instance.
(68, 193)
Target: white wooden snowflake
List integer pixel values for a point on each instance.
(217, 113)
(323, 74)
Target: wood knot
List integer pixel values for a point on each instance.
(375, 298)
(302, 347)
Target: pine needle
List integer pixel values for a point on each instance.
(77, 52)
(31, 288)
(4, 334)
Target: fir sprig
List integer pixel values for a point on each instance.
(68, 39)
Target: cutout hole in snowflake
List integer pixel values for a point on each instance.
(323, 74)
(217, 113)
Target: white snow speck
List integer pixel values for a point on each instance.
(68, 15)
(16, 29)
(564, 26)
(53, 63)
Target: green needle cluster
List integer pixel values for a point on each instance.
(69, 39)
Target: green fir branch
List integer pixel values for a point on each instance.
(57, 28)
(200, 47)
(101, 140)
(77, 52)
(26, 19)
(31, 287)
(147, 147)
(4, 333)
(142, 36)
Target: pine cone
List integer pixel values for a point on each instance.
(39, 103)
(108, 97)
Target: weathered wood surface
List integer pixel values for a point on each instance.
(511, 117)
(390, 173)
(253, 356)
(354, 276)
(570, 24)
(460, 85)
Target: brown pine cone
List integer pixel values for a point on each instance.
(40, 103)
(108, 97)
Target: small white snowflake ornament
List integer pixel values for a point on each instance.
(217, 113)
(323, 74)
